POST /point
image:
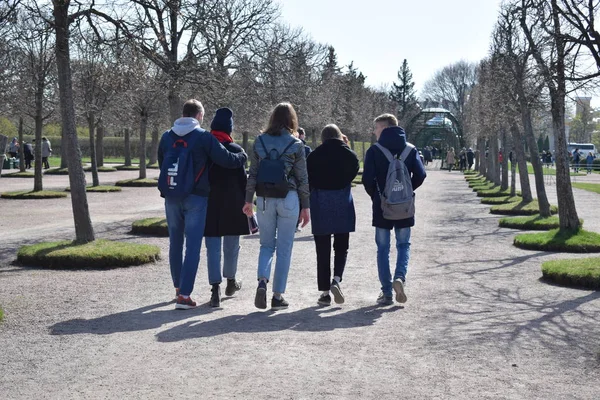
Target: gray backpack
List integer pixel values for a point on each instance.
(397, 197)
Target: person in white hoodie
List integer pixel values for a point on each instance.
(186, 213)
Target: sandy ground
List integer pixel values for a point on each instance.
(479, 324)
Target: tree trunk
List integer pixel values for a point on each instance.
(64, 159)
(127, 136)
(513, 176)
(153, 158)
(39, 110)
(245, 141)
(91, 119)
(567, 212)
(477, 153)
(494, 152)
(143, 128)
(175, 105)
(21, 147)
(100, 143)
(504, 163)
(522, 162)
(84, 232)
(538, 168)
(481, 158)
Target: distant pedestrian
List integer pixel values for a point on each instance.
(590, 162)
(28, 154)
(225, 221)
(331, 169)
(462, 159)
(450, 159)
(46, 152)
(576, 159)
(278, 177)
(470, 158)
(391, 143)
(184, 154)
(307, 150)
(13, 148)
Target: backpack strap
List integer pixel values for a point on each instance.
(287, 147)
(406, 151)
(263, 145)
(388, 154)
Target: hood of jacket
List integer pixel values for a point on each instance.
(393, 138)
(185, 125)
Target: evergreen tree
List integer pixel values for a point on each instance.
(403, 92)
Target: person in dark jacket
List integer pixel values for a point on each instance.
(225, 221)
(470, 158)
(392, 137)
(186, 216)
(331, 169)
(28, 154)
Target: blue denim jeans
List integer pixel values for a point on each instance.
(231, 250)
(382, 238)
(277, 220)
(186, 218)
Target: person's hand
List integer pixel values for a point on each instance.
(304, 217)
(248, 209)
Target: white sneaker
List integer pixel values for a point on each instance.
(398, 286)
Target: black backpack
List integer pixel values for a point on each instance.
(271, 179)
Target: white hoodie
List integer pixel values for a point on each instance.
(185, 125)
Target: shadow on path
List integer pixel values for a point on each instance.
(140, 319)
(312, 319)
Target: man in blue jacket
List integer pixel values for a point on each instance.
(392, 137)
(186, 216)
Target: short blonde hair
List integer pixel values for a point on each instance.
(389, 119)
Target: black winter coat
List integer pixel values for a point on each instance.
(224, 216)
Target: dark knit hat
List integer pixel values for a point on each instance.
(223, 120)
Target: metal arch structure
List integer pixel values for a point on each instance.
(436, 127)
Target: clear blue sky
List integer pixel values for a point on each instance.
(378, 34)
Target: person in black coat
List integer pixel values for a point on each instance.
(331, 169)
(393, 138)
(225, 221)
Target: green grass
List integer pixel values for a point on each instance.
(501, 200)
(583, 272)
(495, 192)
(520, 208)
(30, 195)
(484, 186)
(55, 161)
(57, 171)
(26, 174)
(99, 189)
(550, 171)
(100, 169)
(137, 182)
(127, 168)
(152, 166)
(563, 241)
(97, 254)
(1, 314)
(590, 187)
(150, 226)
(531, 223)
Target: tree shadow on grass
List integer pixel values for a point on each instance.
(140, 319)
(312, 319)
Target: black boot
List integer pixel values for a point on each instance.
(215, 297)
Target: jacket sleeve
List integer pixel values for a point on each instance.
(418, 171)
(251, 184)
(368, 177)
(223, 157)
(301, 174)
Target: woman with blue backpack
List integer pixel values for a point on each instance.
(278, 177)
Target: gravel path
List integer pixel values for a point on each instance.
(478, 323)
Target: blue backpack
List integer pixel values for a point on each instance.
(271, 179)
(177, 177)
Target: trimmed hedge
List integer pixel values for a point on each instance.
(97, 254)
(501, 200)
(531, 223)
(579, 273)
(26, 174)
(57, 171)
(99, 189)
(564, 241)
(151, 226)
(495, 192)
(520, 208)
(30, 195)
(137, 183)
(127, 168)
